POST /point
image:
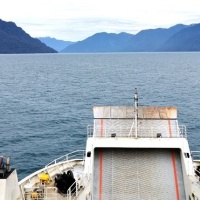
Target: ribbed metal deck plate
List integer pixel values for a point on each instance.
(138, 174)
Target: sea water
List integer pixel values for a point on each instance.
(46, 100)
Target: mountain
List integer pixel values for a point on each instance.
(151, 39)
(180, 37)
(58, 45)
(14, 40)
(187, 39)
(100, 42)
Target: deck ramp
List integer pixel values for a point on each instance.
(138, 174)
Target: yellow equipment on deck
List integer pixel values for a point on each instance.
(44, 177)
(34, 195)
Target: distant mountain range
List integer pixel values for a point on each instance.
(176, 38)
(187, 39)
(152, 39)
(100, 42)
(14, 40)
(58, 45)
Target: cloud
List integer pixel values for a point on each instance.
(76, 20)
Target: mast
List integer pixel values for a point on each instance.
(136, 112)
(135, 119)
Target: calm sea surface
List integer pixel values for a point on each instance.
(46, 99)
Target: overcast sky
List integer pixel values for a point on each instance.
(74, 20)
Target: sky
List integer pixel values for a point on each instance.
(75, 20)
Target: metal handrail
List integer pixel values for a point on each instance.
(40, 193)
(89, 130)
(124, 131)
(195, 155)
(72, 191)
(76, 188)
(78, 154)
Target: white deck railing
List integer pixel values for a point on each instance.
(78, 154)
(40, 193)
(76, 188)
(195, 155)
(73, 191)
(143, 131)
